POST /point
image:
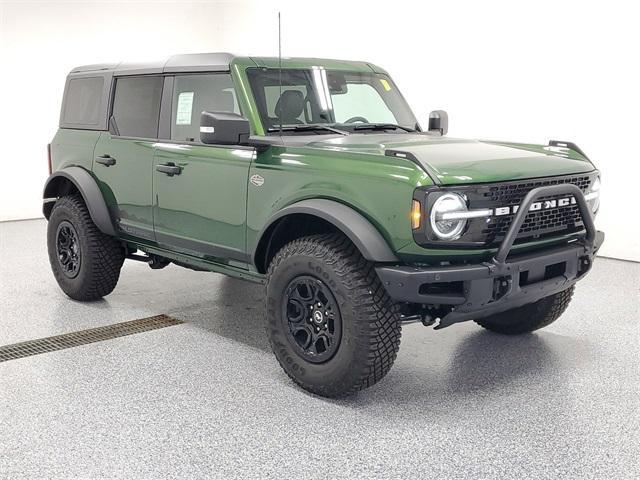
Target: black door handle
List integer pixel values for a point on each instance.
(106, 160)
(169, 168)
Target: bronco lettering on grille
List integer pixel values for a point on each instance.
(543, 205)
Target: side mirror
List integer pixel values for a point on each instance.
(438, 122)
(223, 128)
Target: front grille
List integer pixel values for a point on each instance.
(537, 224)
(513, 193)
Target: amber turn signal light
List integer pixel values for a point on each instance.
(416, 215)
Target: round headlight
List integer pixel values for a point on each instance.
(595, 195)
(443, 222)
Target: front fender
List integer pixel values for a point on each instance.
(87, 187)
(360, 231)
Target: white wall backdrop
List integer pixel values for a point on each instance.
(503, 70)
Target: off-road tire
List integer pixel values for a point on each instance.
(529, 317)
(101, 256)
(370, 320)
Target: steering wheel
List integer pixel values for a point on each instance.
(357, 119)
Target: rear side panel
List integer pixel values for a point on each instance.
(73, 148)
(83, 114)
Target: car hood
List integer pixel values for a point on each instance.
(451, 161)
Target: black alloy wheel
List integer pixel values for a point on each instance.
(312, 319)
(68, 249)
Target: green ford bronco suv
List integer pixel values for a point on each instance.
(314, 178)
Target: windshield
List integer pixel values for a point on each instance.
(349, 101)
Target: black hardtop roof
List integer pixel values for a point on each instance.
(190, 62)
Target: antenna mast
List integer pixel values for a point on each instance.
(280, 64)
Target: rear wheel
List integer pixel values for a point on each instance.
(331, 324)
(85, 262)
(529, 317)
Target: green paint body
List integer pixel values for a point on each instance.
(213, 202)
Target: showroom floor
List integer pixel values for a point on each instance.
(206, 399)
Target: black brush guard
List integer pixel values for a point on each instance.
(505, 282)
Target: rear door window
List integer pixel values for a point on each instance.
(136, 106)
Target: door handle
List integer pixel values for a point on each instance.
(106, 160)
(169, 169)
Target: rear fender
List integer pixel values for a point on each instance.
(59, 184)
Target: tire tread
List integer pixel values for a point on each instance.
(104, 257)
(529, 317)
(377, 316)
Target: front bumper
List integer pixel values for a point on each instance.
(480, 290)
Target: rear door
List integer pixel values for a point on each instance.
(201, 209)
(123, 156)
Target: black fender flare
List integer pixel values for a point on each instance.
(90, 191)
(364, 235)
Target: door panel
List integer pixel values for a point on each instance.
(126, 184)
(123, 157)
(202, 210)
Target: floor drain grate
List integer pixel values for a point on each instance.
(83, 337)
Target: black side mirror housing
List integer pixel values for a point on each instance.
(438, 122)
(224, 128)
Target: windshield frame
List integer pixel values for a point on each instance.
(319, 108)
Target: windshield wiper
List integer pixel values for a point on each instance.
(381, 126)
(307, 127)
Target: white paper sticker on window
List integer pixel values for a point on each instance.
(185, 105)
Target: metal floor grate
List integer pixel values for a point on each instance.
(84, 337)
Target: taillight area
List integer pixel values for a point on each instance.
(49, 158)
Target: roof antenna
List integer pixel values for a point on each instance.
(280, 65)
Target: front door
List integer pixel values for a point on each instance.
(123, 157)
(200, 191)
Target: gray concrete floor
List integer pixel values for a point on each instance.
(207, 399)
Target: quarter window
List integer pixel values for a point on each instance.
(136, 106)
(197, 93)
(83, 100)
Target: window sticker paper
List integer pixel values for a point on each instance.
(185, 106)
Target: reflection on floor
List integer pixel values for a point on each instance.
(206, 399)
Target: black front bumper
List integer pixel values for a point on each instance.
(505, 282)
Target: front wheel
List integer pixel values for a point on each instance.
(331, 324)
(529, 317)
